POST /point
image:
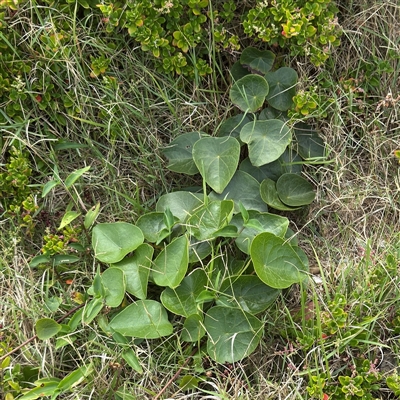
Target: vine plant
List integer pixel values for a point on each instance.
(218, 257)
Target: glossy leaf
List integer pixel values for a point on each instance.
(113, 280)
(257, 60)
(179, 153)
(270, 195)
(294, 190)
(275, 261)
(248, 293)
(198, 250)
(282, 88)
(181, 204)
(170, 266)
(242, 188)
(249, 92)
(267, 140)
(182, 300)
(46, 328)
(136, 269)
(217, 159)
(193, 328)
(113, 241)
(232, 334)
(146, 319)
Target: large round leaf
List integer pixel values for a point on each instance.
(179, 153)
(233, 334)
(145, 319)
(113, 241)
(113, 280)
(282, 88)
(182, 300)
(270, 195)
(257, 60)
(170, 266)
(247, 292)
(136, 270)
(249, 92)
(294, 190)
(245, 189)
(217, 159)
(181, 204)
(267, 140)
(275, 261)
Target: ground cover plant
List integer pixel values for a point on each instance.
(102, 153)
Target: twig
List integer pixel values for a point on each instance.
(35, 337)
(177, 373)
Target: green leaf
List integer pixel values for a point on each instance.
(217, 159)
(68, 217)
(238, 71)
(39, 260)
(270, 195)
(92, 310)
(59, 259)
(282, 88)
(249, 92)
(182, 300)
(247, 292)
(42, 389)
(257, 60)
(46, 328)
(49, 186)
(294, 190)
(309, 144)
(233, 125)
(74, 176)
(198, 250)
(193, 328)
(233, 334)
(267, 140)
(188, 382)
(75, 378)
(146, 319)
(242, 188)
(130, 357)
(113, 241)
(153, 226)
(181, 204)
(170, 266)
(113, 280)
(179, 153)
(206, 222)
(275, 261)
(137, 269)
(64, 145)
(91, 216)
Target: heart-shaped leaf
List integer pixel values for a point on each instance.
(257, 60)
(282, 88)
(136, 270)
(114, 283)
(244, 189)
(247, 292)
(46, 328)
(182, 300)
(193, 328)
(179, 153)
(270, 195)
(249, 92)
(217, 159)
(232, 334)
(181, 204)
(170, 266)
(267, 140)
(146, 319)
(210, 219)
(294, 190)
(275, 261)
(113, 241)
(153, 226)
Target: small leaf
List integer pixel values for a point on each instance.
(153, 226)
(39, 260)
(294, 190)
(233, 334)
(49, 186)
(91, 216)
(42, 389)
(270, 195)
(233, 125)
(275, 261)
(282, 88)
(92, 310)
(46, 328)
(193, 328)
(130, 357)
(114, 283)
(68, 217)
(75, 378)
(217, 160)
(59, 259)
(309, 144)
(257, 60)
(188, 382)
(146, 319)
(249, 92)
(113, 241)
(74, 176)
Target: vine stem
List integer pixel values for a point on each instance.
(177, 373)
(35, 337)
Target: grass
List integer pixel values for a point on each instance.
(350, 233)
